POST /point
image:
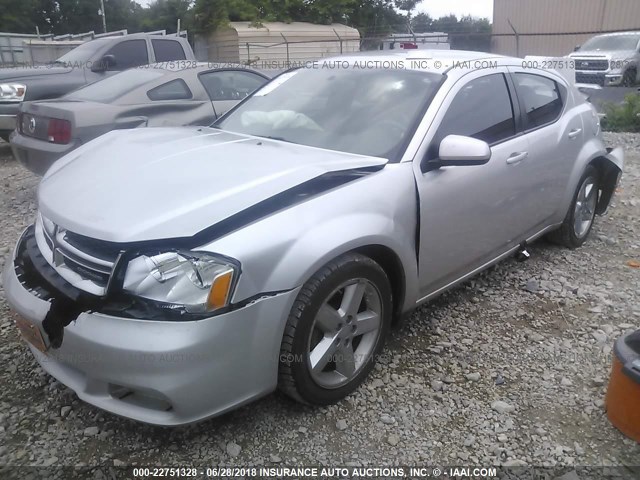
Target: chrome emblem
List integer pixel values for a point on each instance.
(32, 125)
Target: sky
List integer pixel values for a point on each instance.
(440, 8)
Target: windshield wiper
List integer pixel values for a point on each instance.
(275, 138)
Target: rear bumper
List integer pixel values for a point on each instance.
(8, 115)
(7, 123)
(159, 372)
(38, 155)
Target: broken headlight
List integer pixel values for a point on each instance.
(199, 282)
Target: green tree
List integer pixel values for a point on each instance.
(422, 23)
(22, 16)
(164, 15)
(468, 33)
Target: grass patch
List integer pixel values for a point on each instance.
(624, 117)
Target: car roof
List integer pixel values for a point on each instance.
(437, 61)
(617, 34)
(181, 68)
(180, 65)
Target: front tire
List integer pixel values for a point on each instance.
(579, 220)
(335, 331)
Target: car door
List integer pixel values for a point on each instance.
(469, 215)
(228, 87)
(555, 136)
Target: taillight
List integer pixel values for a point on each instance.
(59, 131)
(409, 46)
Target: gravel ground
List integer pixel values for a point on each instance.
(509, 368)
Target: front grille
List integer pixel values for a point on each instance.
(85, 263)
(97, 248)
(591, 78)
(594, 65)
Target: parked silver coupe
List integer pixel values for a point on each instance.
(165, 94)
(173, 274)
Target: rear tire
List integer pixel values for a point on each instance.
(335, 331)
(579, 220)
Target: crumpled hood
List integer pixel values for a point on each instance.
(158, 183)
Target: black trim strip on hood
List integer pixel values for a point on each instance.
(264, 208)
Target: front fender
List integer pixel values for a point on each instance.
(283, 250)
(344, 234)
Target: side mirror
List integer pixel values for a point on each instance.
(456, 150)
(104, 63)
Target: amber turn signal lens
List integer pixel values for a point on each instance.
(219, 293)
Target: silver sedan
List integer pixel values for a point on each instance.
(168, 94)
(173, 274)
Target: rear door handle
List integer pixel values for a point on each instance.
(517, 157)
(574, 133)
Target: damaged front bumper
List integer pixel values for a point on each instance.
(158, 372)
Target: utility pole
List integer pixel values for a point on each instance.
(104, 16)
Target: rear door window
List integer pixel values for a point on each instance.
(128, 54)
(167, 50)
(541, 98)
(174, 90)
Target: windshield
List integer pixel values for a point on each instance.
(612, 42)
(112, 88)
(81, 54)
(363, 111)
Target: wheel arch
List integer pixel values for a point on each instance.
(609, 164)
(609, 168)
(392, 265)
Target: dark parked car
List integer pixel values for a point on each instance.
(87, 63)
(158, 95)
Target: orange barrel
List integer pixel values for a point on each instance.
(623, 394)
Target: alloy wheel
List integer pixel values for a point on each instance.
(345, 332)
(585, 207)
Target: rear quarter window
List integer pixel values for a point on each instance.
(167, 50)
(173, 90)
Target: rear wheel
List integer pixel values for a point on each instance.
(335, 330)
(579, 220)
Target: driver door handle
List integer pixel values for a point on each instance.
(574, 133)
(517, 157)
